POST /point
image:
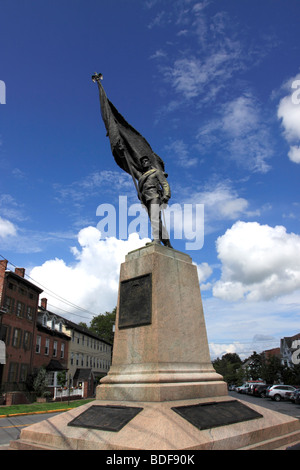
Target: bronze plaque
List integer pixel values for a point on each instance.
(214, 414)
(135, 302)
(107, 418)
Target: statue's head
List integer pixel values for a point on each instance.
(145, 162)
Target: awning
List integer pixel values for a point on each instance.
(83, 374)
(2, 353)
(55, 365)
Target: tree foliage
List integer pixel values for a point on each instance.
(102, 325)
(39, 383)
(255, 367)
(228, 367)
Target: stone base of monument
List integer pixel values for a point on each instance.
(195, 424)
(162, 392)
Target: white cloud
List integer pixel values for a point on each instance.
(204, 272)
(7, 228)
(258, 344)
(179, 150)
(244, 327)
(259, 262)
(220, 203)
(289, 113)
(91, 281)
(241, 131)
(219, 349)
(240, 115)
(294, 154)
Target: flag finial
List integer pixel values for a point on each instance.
(96, 77)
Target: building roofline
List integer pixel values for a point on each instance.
(22, 279)
(71, 325)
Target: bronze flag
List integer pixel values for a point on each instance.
(127, 144)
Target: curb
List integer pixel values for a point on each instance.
(35, 412)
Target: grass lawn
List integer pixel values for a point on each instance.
(41, 407)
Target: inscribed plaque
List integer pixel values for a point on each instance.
(214, 414)
(106, 418)
(135, 302)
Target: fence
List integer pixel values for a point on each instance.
(63, 393)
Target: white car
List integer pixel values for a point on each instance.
(242, 389)
(280, 392)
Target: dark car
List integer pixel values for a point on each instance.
(260, 390)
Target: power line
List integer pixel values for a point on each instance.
(57, 296)
(66, 311)
(238, 343)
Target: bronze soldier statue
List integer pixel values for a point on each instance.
(154, 191)
(134, 155)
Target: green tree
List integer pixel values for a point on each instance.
(39, 383)
(271, 369)
(291, 375)
(103, 324)
(61, 378)
(228, 367)
(255, 366)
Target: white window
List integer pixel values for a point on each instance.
(38, 344)
(47, 344)
(54, 348)
(17, 338)
(62, 350)
(50, 379)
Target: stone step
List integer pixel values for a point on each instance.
(20, 444)
(276, 443)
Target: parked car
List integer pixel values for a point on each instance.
(260, 390)
(242, 388)
(295, 396)
(280, 392)
(252, 386)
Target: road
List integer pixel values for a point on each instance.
(10, 428)
(284, 406)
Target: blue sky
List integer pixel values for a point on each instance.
(210, 86)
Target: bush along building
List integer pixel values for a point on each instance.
(34, 339)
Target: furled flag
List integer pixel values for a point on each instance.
(127, 144)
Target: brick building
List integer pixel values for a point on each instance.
(18, 307)
(31, 337)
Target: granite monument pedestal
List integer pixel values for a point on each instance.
(160, 348)
(162, 392)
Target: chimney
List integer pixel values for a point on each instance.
(3, 266)
(20, 271)
(44, 303)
